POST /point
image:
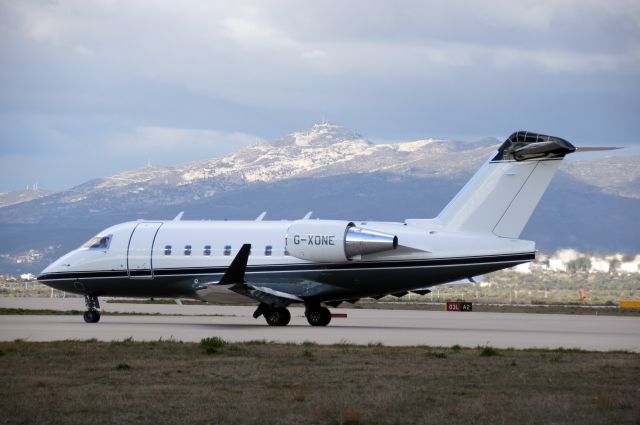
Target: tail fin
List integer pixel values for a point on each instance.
(502, 195)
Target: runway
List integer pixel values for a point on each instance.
(389, 327)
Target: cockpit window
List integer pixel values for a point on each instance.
(98, 242)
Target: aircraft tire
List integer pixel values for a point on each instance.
(319, 316)
(277, 316)
(91, 316)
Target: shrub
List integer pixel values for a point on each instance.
(489, 352)
(123, 366)
(212, 345)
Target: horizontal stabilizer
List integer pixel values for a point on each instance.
(597, 148)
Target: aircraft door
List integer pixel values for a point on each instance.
(140, 251)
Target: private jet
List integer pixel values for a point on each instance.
(321, 263)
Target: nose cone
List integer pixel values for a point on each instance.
(62, 264)
(43, 274)
(46, 272)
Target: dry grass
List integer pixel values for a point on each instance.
(263, 383)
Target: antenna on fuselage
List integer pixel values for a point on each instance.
(179, 216)
(261, 216)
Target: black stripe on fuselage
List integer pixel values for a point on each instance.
(297, 267)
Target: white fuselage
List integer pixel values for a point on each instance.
(323, 261)
(194, 244)
(142, 257)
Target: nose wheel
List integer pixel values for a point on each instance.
(92, 315)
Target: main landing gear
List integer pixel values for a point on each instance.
(275, 316)
(92, 315)
(279, 316)
(317, 315)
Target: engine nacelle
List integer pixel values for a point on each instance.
(334, 241)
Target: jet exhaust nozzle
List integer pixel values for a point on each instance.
(360, 241)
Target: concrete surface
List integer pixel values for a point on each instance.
(389, 327)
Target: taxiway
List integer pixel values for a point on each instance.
(389, 327)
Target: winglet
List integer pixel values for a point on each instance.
(235, 271)
(307, 215)
(179, 216)
(261, 216)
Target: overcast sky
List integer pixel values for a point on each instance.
(90, 88)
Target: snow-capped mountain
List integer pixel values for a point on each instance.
(323, 150)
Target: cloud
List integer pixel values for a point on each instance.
(199, 43)
(281, 53)
(155, 77)
(173, 144)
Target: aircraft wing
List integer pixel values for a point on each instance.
(237, 268)
(233, 279)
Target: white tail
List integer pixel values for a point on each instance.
(503, 194)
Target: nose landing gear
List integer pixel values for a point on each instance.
(92, 315)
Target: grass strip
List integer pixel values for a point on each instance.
(215, 381)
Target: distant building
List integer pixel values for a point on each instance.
(524, 268)
(629, 267)
(27, 276)
(541, 258)
(557, 265)
(566, 255)
(599, 265)
(615, 257)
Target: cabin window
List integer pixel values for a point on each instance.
(167, 250)
(187, 250)
(227, 250)
(267, 250)
(207, 250)
(98, 242)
